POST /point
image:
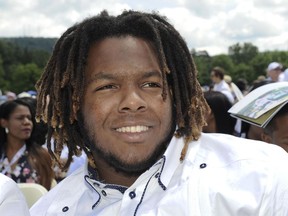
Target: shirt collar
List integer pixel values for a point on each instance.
(170, 161)
(166, 165)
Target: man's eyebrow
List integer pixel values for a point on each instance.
(101, 76)
(107, 76)
(152, 74)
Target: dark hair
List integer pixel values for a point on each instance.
(219, 72)
(242, 84)
(219, 104)
(37, 156)
(272, 126)
(6, 109)
(63, 79)
(40, 128)
(257, 84)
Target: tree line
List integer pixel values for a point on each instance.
(243, 61)
(21, 65)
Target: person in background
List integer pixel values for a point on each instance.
(12, 201)
(283, 77)
(10, 95)
(218, 120)
(217, 77)
(276, 131)
(274, 69)
(237, 94)
(251, 131)
(124, 89)
(21, 158)
(242, 84)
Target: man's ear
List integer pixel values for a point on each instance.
(266, 138)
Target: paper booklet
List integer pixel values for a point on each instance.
(259, 106)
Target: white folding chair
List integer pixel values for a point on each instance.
(32, 192)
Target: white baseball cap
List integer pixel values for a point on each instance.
(273, 66)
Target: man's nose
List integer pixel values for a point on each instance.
(132, 100)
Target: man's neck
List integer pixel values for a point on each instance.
(108, 175)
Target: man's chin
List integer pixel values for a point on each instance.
(132, 168)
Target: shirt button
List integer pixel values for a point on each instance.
(65, 209)
(132, 194)
(104, 193)
(203, 165)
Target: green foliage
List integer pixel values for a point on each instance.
(243, 71)
(203, 64)
(242, 53)
(21, 64)
(25, 76)
(33, 43)
(223, 61)
(243, 61)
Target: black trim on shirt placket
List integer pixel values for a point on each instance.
(146, 186)
(159, 177)
(93, 206)
(135, 212)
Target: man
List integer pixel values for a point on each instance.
(12, 201)
(276, 131)
(274, 69)
(124, 89)
(217, 77)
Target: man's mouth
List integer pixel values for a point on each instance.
(133, 129)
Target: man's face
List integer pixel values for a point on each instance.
(214, 78)
(280, 134)
(124, 114)
(274, 74)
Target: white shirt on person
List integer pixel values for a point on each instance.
(224, 88)
(12, 201)
(221, 175)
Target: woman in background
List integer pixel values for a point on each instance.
(21, 158)
(218, 120)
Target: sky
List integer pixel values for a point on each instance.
(211, 25)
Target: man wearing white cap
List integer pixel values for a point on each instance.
(274, 69)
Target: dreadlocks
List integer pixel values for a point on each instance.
(61, 87)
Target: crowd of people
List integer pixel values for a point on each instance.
(119, 103)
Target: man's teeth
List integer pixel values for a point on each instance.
(133, 129)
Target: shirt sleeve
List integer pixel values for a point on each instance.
(12, 201)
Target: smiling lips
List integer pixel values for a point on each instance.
(133, 129)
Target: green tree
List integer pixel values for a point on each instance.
(223, 61)
(242, 53)
(3, 83)
(243, 71)
(24, 77)
(202, 60)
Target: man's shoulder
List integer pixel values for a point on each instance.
(230, 148)
(66, 189)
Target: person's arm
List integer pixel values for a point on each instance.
(12, 201)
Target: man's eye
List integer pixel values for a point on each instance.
(152, 85)
(106, 87)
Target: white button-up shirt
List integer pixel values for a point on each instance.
(12, 201)
(224, 88)
(221, 175)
